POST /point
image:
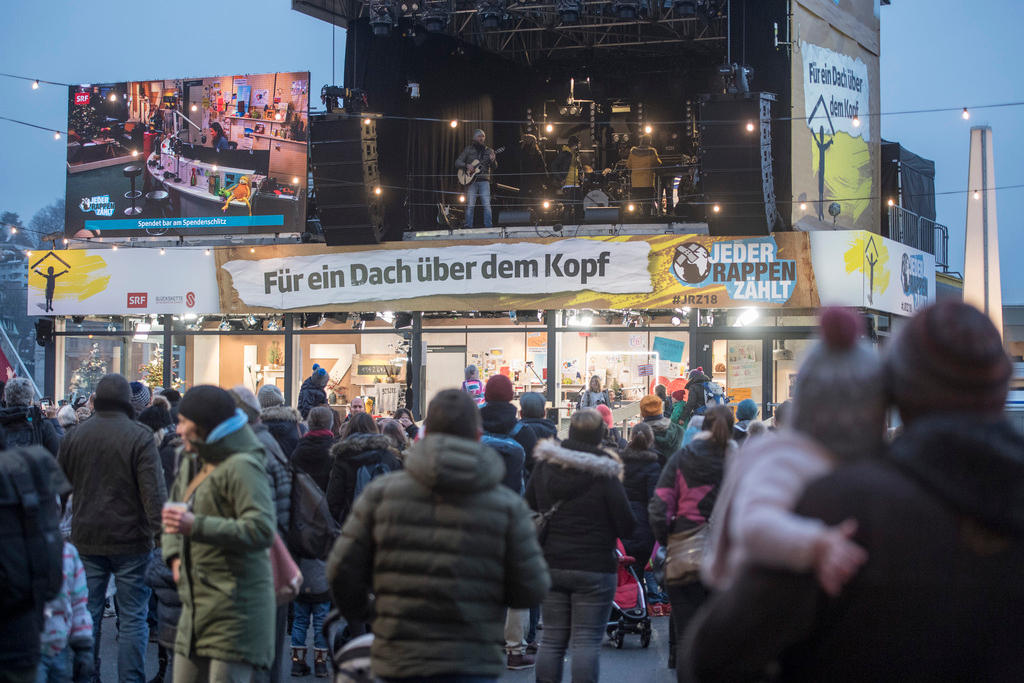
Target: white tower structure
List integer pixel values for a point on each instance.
(982, 285)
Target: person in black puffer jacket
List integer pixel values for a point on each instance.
(641, 476)
(283, 422)
(313, 454)
(365, 447)
(499, 420)
(579, 543)
(694, 394)
(311, 393)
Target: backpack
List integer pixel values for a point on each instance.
(311, 527)
(511, 452)
(32, 560)
(713, 396)
(367, 473)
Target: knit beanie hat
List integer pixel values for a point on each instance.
(694, 374)
(679, 395)
(207, 406)
(173, 396)
(498, 389)
(949, 358)
(839, 396)
(319, 375)
(651, 406)
(140, 396)
(269, 396)
(246, 400)
(606, 414)
(746, 410)
(111, 390)
(155, 417)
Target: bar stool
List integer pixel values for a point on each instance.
(158, 198)
(132, 172)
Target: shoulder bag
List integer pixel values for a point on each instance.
(684, 554)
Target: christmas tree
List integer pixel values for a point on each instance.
(153, 371)
(89, 373)
(85, 121)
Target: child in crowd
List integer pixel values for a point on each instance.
(67, 645)
(472, 384)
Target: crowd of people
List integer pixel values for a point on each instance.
(823, 544)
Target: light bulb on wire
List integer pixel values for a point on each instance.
(750, 126)
(716, 208)
(56, 135)
(856, 122)
(35, 84)
(977, 195)
(965, 114)
(453, 123)
(648, 130)
(549, 128)
(803, 206)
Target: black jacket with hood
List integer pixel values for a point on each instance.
(313, 456)
(641, 472)
(356, 451)
(542, 427)
(26, 426)
(311, 395)
(940, 596)
(283, 424)
(499, 418)
(595, 512)
(694, 396)
(688, 487)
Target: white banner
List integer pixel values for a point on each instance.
(836, 90)
(396, 274)
(859, 268)
(122, 282)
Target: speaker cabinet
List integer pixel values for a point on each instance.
(346, 179)
(736, 164)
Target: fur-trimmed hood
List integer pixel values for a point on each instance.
(280, 414)
(357, 446)
(606, 465)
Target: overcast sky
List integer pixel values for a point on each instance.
(935, 53)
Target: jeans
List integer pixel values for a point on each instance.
(481, 189)
(206, 670)
(56, 668)
(303, 611)
(576, 614)
(129, 572)
(515, 630)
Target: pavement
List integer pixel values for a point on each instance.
(630, 663)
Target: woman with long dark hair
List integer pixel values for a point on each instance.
(218, 138)
(363, 454)
(681, 509)
(642, 470)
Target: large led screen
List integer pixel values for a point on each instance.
(200, 156)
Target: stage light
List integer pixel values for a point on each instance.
(546, 204)
(453, 123)
(676, 320)
(648, 130)
(716, 208)
(965, 114)
(295, 180)
(435, 19)
(491, 13)
(549, 128)
(195, 108)
(891, 202)
(626, 9)
(750, 126)
(35, 85)
(977, 195)
(569, 11)
(685, 8)
(803, 206)
(380, 17)
(630, 207)
(366, 122)
(113, 97)
(224, 326)
(56, 135)
(564, 111)
(856, 122)
(377, 190)
(462, 198)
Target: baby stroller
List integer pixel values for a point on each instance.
(629, 607)
(350, 659)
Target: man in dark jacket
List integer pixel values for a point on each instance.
(499, 420)
(283, 422)
(425, 621)
(23, 423)
(531, 411)
(313, 454)
(943, 604)
(479, 154)
(118, 482)
(694, 394)
(311, 393)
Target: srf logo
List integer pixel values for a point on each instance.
(81, 98)
(190, 299)
(138, 299)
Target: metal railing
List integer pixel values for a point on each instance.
(921, 233)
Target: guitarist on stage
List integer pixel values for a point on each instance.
(478, 155)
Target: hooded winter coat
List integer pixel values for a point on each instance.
(940, 596)
(694, 396)
(26, 426)
(444, 548)
(226, 586)
(313, 456)
(688, 487)
(668, 436)
(499, 418)
(114, 468)
(641, 472)
(358, 450)
(594, 511)
(283, 424)
(311, 395)
(278, 475)
(542, 427)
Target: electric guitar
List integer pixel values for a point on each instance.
(468, 174)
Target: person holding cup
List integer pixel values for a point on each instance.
(219, 524)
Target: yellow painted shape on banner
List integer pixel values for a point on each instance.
(847, 174)
(77, 274)
(864, 248)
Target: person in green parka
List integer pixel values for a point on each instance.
(668, 436)
(218, 548)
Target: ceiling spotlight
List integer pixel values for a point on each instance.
(35, 85)
(380, 17)
(214, 168)
(546, 204)
(491, 13)
(569, 10)
(564, 111)
(630, 207)
(462, 198)
(377, 190)
(716, 208)
(56, 135)
(676, 320)
(195, 108)
(135, 152)
(856, 122)
(435, 19)
(224, 325)
(750, 126)
(113, 97)
(626, 9)
(685, 8)
(648, 130)
(965, 114)
(549, 128)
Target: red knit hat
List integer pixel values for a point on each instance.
(948, 359)
(606, 414)
(498, 388)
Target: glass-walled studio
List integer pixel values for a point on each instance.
(395, 360)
